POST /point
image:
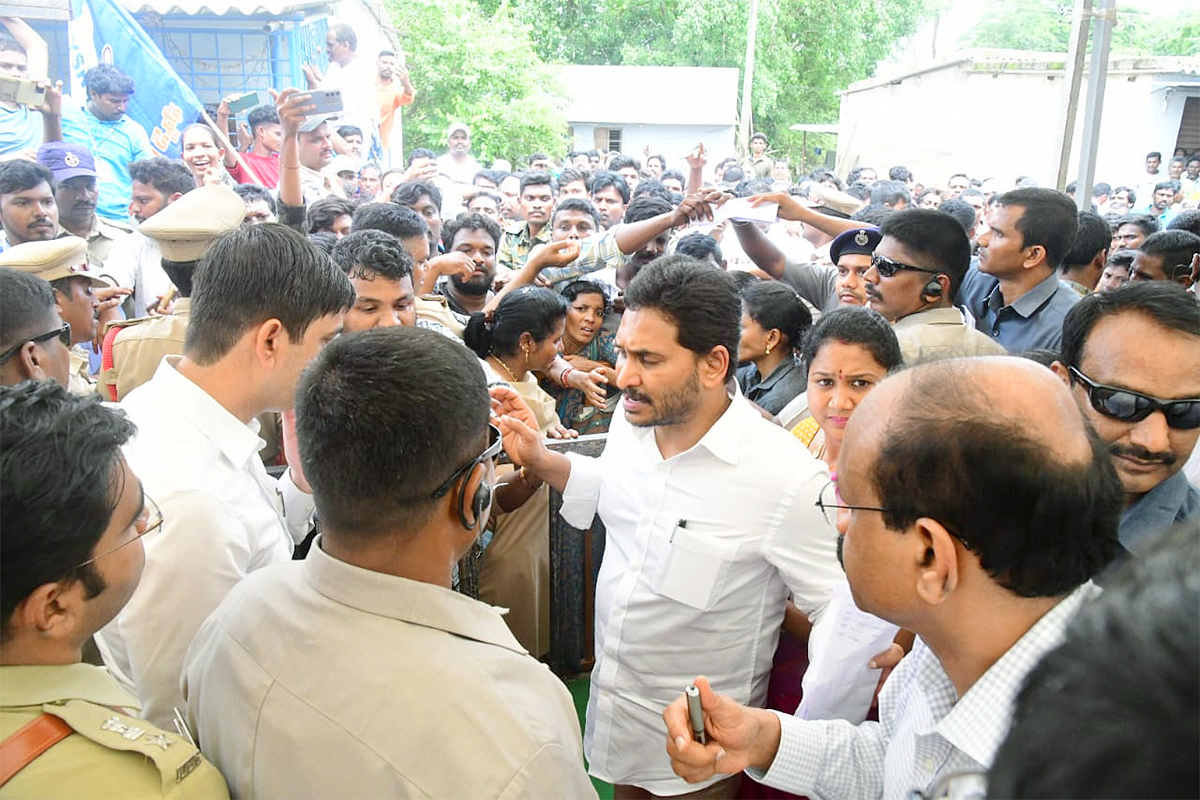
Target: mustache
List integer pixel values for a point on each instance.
(1141, 453)
(635, 395)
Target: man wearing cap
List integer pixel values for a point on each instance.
(915, 271)
(456, 163)
(345, 168)
(181, 232)
(316, 154)
(79, 296)
(74, 172)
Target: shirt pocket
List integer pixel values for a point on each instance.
(694, 567)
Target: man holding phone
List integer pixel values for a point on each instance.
(22, 54)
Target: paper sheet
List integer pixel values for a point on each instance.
(838, 683)
(739, 208)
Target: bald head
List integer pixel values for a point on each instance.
(997, 451)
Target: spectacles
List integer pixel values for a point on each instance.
(495, 445)
(887, 267)
(1130, 406)
(150, 519)
(955, 786)
(63, 334)
(829, 501)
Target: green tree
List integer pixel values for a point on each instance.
(807, 50)
(1046, 26)
(480, 68)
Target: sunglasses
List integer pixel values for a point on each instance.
(887, 267)
(63, 334)
(1130, 406)
(495, 445)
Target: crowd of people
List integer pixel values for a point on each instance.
(903, 481)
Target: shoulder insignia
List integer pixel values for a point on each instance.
(130, 732)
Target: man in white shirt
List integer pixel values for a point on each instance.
(354, 77)
(915, 271)
(359, 672)
(264, 301)
(711, 520)
(457, 163)
(975, 507)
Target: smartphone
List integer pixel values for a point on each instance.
(248, 101)
(327, 101)
(22, 91)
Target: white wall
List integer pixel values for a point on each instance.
(1001, 124)
(674, 142)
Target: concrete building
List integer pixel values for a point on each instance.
(994, 114)
(631, 108)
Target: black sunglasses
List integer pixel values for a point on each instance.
(495, 445)
(1130, 406)
(887, 267)
(63, 334)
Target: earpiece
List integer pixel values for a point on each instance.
(933, 288)
(480, 502)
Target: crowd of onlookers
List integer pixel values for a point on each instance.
(872, 446)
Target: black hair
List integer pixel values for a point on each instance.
(323, 241)
(26, 307)
(889, 193)
(1174, 248)
(935, 237)
(536, 178)
(734, 174)
(1048, 218)
(1094, 235)
(1165, 302)
(854, 174)
(1129, 192)
(602, 180)
(576, 204)
(623, 161)
(344, 34)
(324, 212)
(533, 310)
(349, 130)
(256, 273)
(776, 305)
(1101, 189)
(760, 135)
(645, 207)
(203, 126)
(653, 186)
(263, 115)
(661, 160)
(180, 274)
(1121, 258)
(676, 174)
(19, 175)
(252, 191)
(370, 165)
(1172, 185)
(409, 192)
(898, 173)
(859, 191)
(365, 254)
(961, 211)
(490, 195)
(752, 186)
(872, 214)
(61, 478)
(928, 192)
(487, 175)
(383, 417)
(1186, 220)
(537, 156)
(166, 176)
(1154, 154)
(700, 246)
(1039, 526)
(854, 325)
(400, 221)
(107, 79)
(1122, 680)
(742, 279)
(420, 152)
(583, 286)
(470, 222)
(570, 175)
(1144, 222)
(700, 299)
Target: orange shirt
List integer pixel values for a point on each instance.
(390, 96)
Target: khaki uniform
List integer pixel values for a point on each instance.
(140, 347)
(80, 379)
(100, 239)
(110, 754)
(937, 333)
(435, 308)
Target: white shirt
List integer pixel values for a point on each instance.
(924, 729)
(360, 108)
(702, 598)
(322, 679)
(223, 517)
(135, 263)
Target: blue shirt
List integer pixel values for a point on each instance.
(1034, 321)
(114, 145)
(20, 130)
(1173, 502)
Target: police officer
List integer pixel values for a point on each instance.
(70, 557)
(79, 296)
(75, 192)
(183, 230)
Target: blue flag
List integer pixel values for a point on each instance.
(103, 31)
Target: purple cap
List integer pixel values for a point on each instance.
(66, 160)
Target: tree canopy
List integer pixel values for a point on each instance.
(1046, 26)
